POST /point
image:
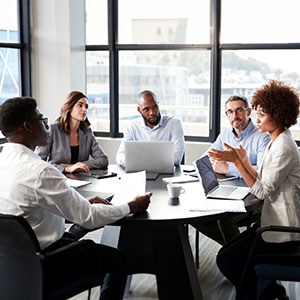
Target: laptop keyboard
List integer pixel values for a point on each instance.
(223, 191)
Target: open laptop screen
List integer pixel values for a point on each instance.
(208, 176)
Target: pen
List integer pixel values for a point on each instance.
(193, 175)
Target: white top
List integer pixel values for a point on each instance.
(278, 183)
(36, 190)
(168, 129)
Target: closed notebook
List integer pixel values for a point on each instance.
(180, 179)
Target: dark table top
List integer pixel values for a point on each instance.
(163, 208)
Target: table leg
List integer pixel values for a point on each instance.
(162, 249)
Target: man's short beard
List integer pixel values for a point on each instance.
(153, 123)
(246, 122)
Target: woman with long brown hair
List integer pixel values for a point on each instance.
(72, 141)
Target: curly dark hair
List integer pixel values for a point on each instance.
(14, 112)
(65, 112)
(279, 100)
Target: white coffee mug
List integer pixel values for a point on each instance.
(175, 190)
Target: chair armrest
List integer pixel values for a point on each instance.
(67, 249)
(272, 228)
(279, 229)
(257, 238)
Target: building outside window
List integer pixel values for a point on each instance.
(193, 56)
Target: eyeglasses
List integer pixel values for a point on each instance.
(44, 120)
(229, 113)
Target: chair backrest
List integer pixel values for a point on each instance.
(20, 266)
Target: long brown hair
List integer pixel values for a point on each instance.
(65, 112)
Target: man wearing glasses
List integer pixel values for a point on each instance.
(36, 190)
(242, 132)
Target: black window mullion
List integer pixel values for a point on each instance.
(268, 46)
(113, 67)
(25, 62)
(163, 47)
(11, 45)
(215, 84)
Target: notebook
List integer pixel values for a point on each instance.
(211, 185)
(151, 156)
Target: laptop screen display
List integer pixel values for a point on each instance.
(208, 176)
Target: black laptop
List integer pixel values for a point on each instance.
(211, 185)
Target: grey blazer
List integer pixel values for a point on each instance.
(58, 149)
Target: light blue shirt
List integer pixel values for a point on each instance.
(252, 141)
(168, 129)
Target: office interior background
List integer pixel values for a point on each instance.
(193, 54)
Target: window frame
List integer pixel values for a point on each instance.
(215, 47)
(24, 47)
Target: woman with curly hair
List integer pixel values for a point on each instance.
(72, 141)
(277, 181)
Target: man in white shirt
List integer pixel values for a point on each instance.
(153, 127)
(34, 189)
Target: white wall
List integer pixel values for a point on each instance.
(58, 52)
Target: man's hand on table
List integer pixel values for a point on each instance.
(140, 203)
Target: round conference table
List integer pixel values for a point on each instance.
(156, 241)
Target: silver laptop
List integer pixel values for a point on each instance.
(151, 156)
(211, 185)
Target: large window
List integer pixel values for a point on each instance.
(193, 54)
(173, 76)
(149, 48)
(260, 21)
(14, 49)
(259, 42)
(244, 71)
(9, 57)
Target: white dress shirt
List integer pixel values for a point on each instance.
(36, 190)
(278, 183)
(168, 129)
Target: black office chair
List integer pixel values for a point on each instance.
(270, 267)
(21, 273)
(21, 262)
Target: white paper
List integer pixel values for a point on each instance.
(129, 186)
(219, 205)
(180, 179)
(77, 183)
